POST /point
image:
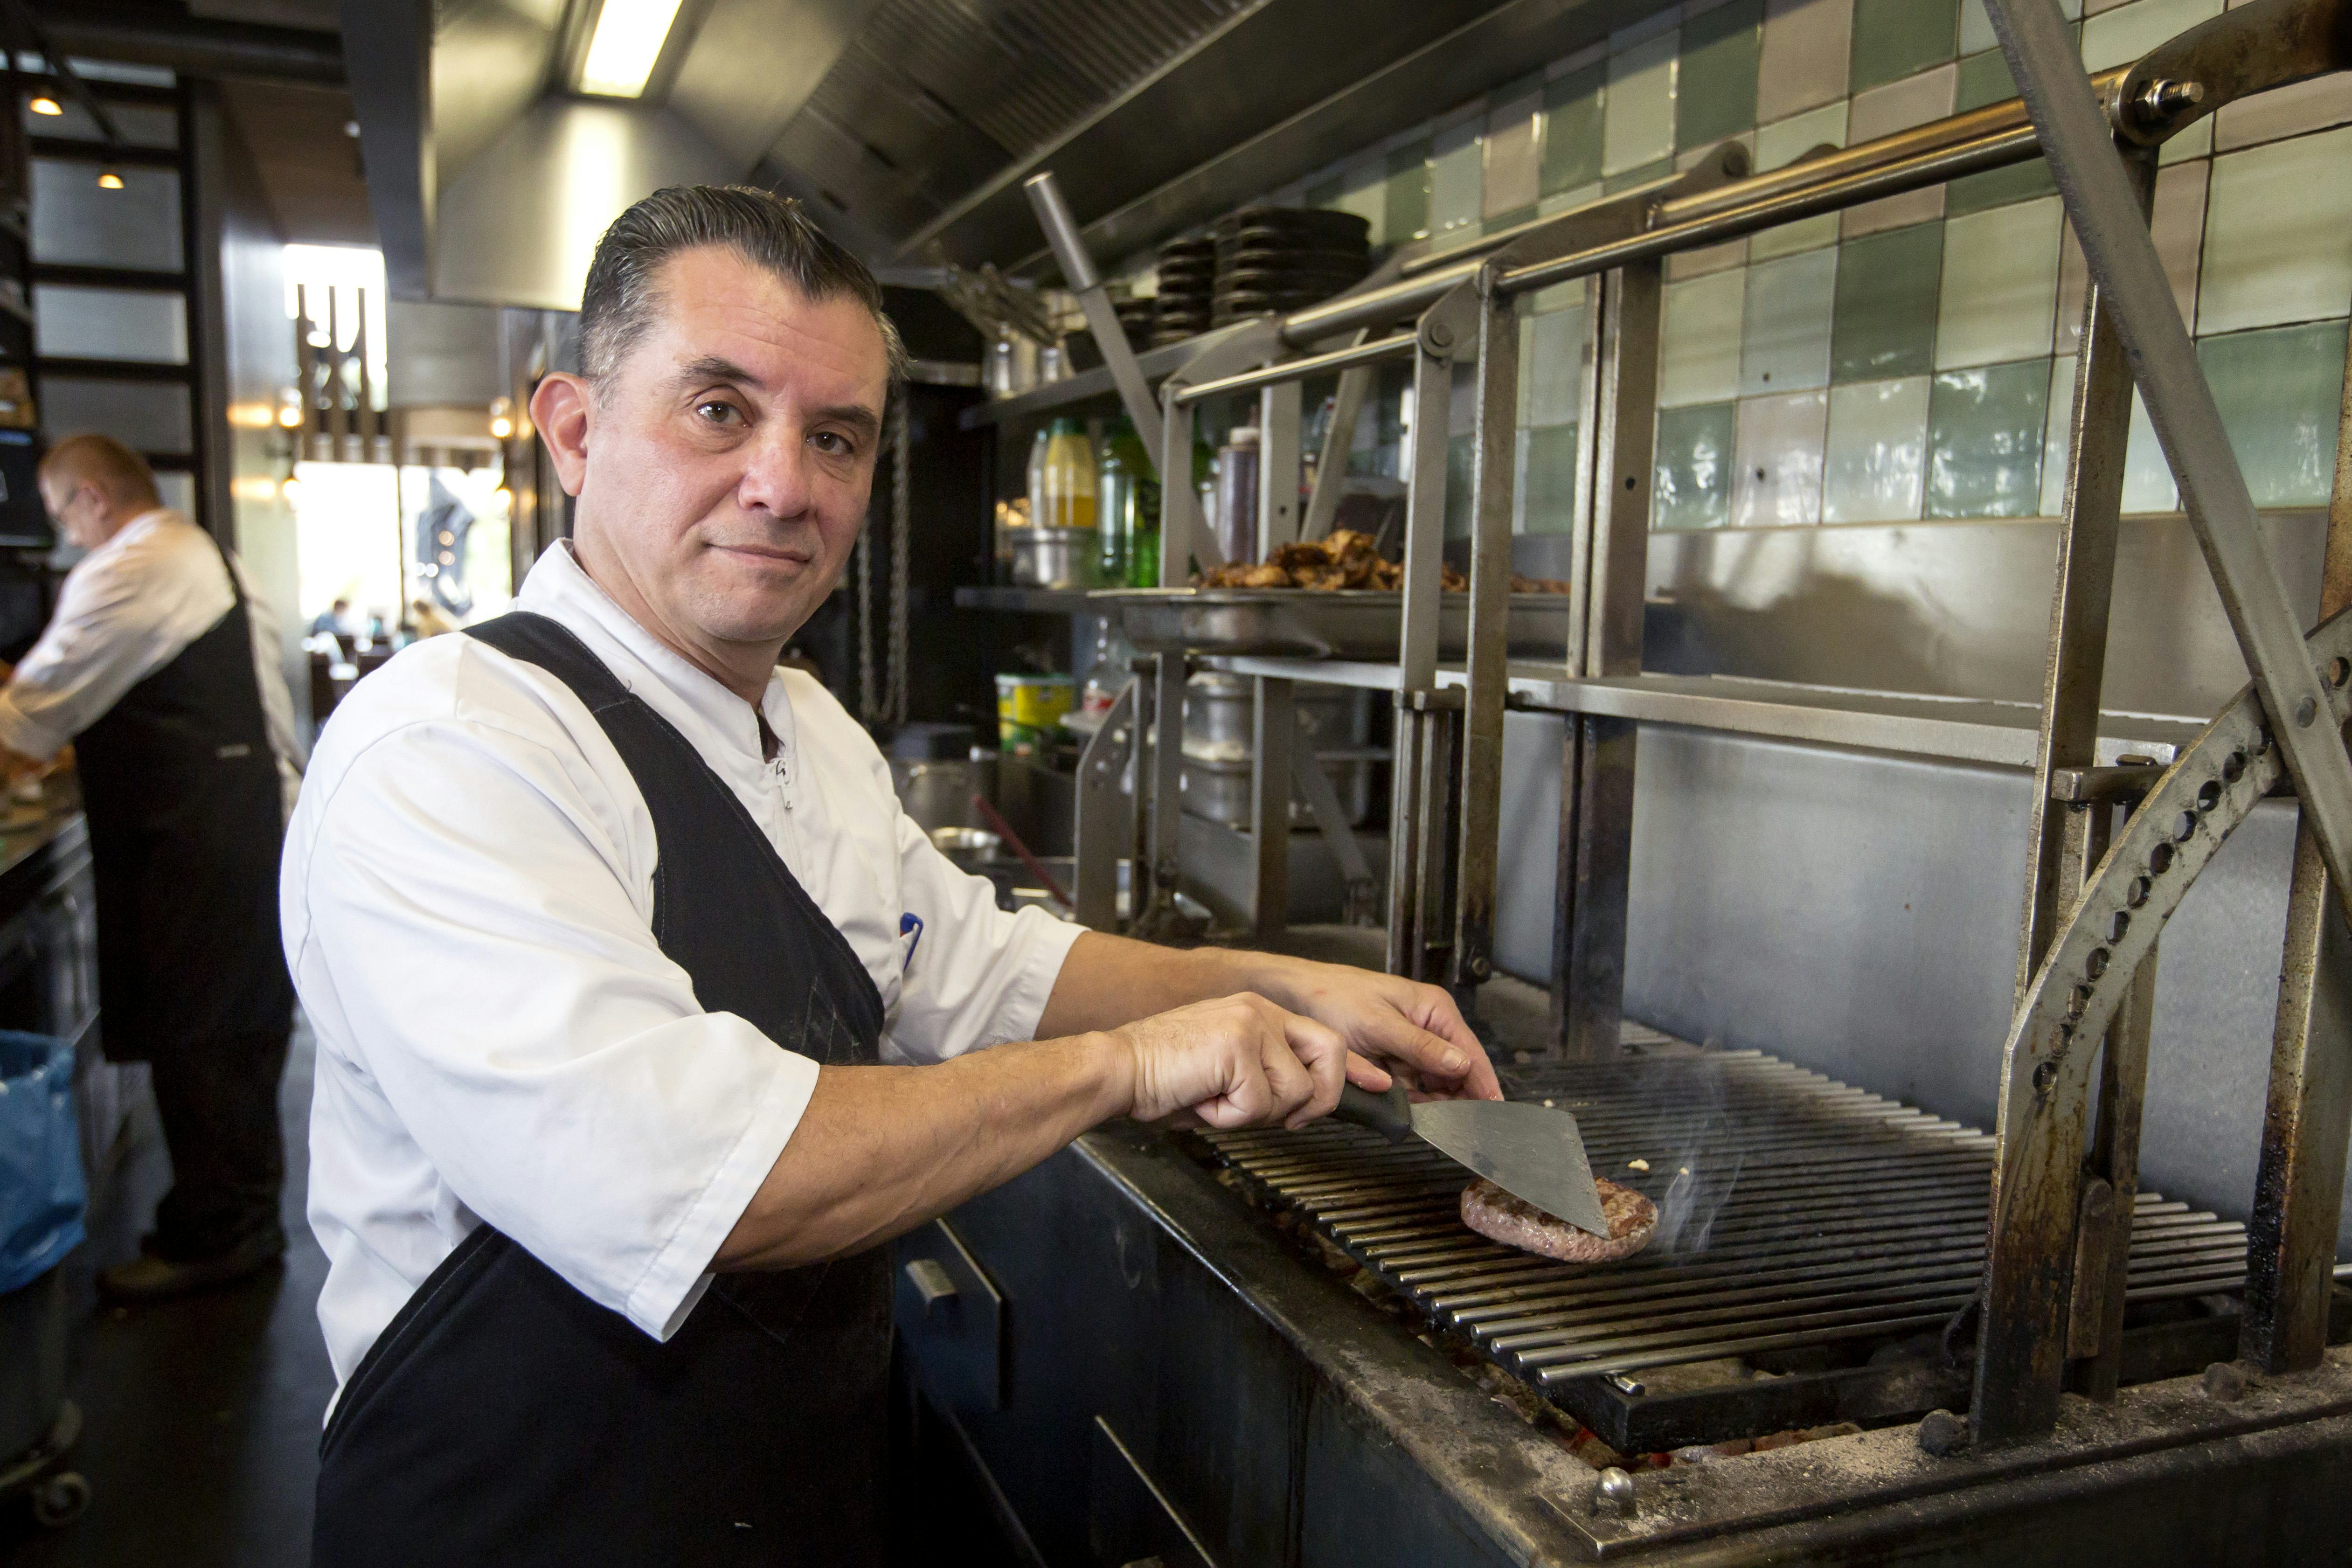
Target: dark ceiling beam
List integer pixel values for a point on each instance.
(193, 46)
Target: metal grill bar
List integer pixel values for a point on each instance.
(1799, 1216)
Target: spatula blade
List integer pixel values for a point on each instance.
(1532, 1153)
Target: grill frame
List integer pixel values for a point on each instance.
(1872, 1214)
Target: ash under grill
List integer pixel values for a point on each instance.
(1813, 1242)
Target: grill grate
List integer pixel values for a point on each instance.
(1804, 1227)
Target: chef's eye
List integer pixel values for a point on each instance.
(833, 443)
(719, 412)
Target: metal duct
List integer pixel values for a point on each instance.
(198, 49)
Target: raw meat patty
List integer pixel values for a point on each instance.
(1495, 1213)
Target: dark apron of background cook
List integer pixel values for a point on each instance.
(503, 1417)
(181, 790)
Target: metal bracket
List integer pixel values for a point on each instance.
(1101, 816)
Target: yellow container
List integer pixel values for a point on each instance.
(1031, 706)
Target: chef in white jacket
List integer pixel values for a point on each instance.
(644, 1013)
(163, 669)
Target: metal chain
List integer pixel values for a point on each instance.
(863, 627)
(895, 699)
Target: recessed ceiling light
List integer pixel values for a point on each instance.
(45, 104)
(627, 41)
(108, 179)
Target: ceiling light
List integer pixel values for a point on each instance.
(627, 41)
(45, 104)
(108, 179)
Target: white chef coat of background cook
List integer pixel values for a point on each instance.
(466, 901)
(127, 609)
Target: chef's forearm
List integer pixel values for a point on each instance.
(1107, 981)
(880, 1149)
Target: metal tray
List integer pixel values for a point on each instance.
(1308, 622)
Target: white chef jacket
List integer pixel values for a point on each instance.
(468, 901)
(127, 609)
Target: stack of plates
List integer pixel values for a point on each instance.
(1283, 259)
(1188, 280)
(1137, 319)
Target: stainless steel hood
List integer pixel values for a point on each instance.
(907, 124)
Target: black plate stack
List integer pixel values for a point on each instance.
(1188, 283)
(1284, 258)
(1137, 319)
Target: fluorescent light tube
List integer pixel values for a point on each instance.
(627, 41)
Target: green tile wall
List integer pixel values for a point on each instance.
(1405, 215)
(1893, 38)
(1884, 323)
(1984, 440)
(1571, 147)
(1864, 323)
(1714, 96)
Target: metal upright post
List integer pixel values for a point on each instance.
(1152, 879)
(1419, 794)
(1331, 468)
(1597, 783)
(1273, 729)
(1278, 465)
(2299, 1184)
(2082, 595)
(1487, 679)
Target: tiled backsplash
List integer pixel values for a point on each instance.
(1913, 358)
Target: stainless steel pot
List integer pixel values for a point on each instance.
(1054, 557)
(1218, 750)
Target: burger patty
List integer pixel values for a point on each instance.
(1497, 1216)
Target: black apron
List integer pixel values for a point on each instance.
(503, 1417)
(182, 793)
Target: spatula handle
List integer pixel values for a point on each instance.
(1389, 1114)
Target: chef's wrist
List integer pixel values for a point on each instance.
(1110, 1072)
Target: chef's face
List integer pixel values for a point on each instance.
(722, 468)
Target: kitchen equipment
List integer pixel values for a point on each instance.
(1219, 710)
(1280, 259)
(1030, 708)
(1236, 513)
(1532, 1152)
(1053, 557)
(1188, 279)
(931, 769)
(1805, 1228)
(970, 849)
(1346, 622)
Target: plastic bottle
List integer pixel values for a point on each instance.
(1037, 450)
(1127, 489)
(1066, 498)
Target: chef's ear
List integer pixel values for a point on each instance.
(560, 408)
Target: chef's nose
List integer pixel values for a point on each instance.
(776, 471)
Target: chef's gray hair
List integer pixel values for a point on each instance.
(770, 231)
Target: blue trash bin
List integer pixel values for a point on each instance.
(42, 1195)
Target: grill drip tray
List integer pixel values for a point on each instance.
(1814, 1241)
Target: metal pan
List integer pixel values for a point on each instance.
(1305, 622)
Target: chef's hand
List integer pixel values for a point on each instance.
(1394, 1026)
(1236, 1061)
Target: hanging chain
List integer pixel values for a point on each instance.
(863, 624)
(895, 699)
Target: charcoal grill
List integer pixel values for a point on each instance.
(1815, 1241)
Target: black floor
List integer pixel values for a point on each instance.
(202, 1416)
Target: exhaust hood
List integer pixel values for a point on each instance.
(907, 125)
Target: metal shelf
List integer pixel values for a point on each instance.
(1957, 729)
(1085, 387)
(1024, 601)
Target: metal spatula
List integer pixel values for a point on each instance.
(1531, 1152)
